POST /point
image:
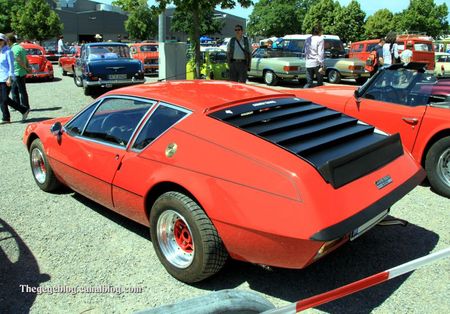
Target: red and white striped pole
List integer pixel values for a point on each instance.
(360, 284)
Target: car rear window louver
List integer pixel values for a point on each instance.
(340, 147)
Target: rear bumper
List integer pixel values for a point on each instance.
(39, 75)
(346, 226)
(111, 83)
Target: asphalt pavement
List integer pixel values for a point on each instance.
(62, 253)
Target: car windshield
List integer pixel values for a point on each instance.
(274, 53)
(333, 47)
(149, 48)
(34, 52)
(408, 86)
(108, 52)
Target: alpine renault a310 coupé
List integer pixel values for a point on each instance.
(220, 169)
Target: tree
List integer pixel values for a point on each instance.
(8, 9)
(141, 23)
(379, 24)
(208, 25)
(323, 13)
(278, 17)
(196, 8)
(36, 20)
(350, 22)
(129, 5)
(425, 16)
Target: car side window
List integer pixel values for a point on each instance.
(76, 126)
(116, 119)
(161, 120)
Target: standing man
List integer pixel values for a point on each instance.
(6, 78)
(314, 55)
(21, 68)
(61, 45)
(238, 56)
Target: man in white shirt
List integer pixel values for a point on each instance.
(314, 55)
(61, 46)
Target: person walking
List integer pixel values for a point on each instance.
(6, 78)
(314, 57)
(61, 46)
(21, 68)
(238, 56)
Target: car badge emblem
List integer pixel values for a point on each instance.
(383, 182)
(171, 149)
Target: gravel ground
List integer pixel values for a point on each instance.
(63, 241)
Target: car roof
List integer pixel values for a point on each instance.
(199, 95)
(145, 44)
(34, 46)
(110, 43)
(304, 36)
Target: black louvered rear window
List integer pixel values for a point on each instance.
(340, 147)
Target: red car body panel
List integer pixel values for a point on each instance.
(41, 67)
(148, 58)
(67, 62)
(264, 201)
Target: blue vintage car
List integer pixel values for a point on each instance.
(106, 65)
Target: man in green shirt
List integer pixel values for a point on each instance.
(21, 68)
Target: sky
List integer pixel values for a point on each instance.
(368, 6)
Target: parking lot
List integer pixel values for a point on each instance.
(66, 243)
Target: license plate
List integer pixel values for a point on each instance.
(368, 225)
(117, 76)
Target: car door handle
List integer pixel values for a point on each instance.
(412, 121)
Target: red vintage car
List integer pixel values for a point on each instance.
(148, 54)
(40, 66)
(406, 100)
(220, 169)
(67, 62)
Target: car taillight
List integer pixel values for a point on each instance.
(288, 68)
(92, 77)
(330, 246)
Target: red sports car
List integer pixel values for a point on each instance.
(40, 66)
(403, 99)
(67, 62)
(220, 169)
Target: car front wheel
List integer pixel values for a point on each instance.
(185, 240)
(42, 171)
(334, 76)
(437, 165)
(270, 78)
(77, 80)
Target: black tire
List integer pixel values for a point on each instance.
(205, 255)
(77, 80)
(334, 76)
(42, 171)
(361, 80)
(270, 78)
(437, 163)
(64, 73)
(87, 90)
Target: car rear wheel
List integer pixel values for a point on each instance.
(64, 73)
(185, 240)
(42, 171)
(270, 78)
(77, 80)
(87, 90)
(437, 165)
(334, 76)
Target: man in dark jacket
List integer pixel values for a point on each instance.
(238, 56)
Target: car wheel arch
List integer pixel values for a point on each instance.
(31, 139)
(433, 139)
(162, 187)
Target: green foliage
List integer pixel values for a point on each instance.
(323, 13)
(208, 24)
(8, 9)
(278, 17)
(141, 23)
(379, 24)
(36, 20)
(350, 22)
(130, 5)
(198, 9)
(424, 16)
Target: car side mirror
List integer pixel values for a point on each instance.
(56, 129)
(357, 95)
